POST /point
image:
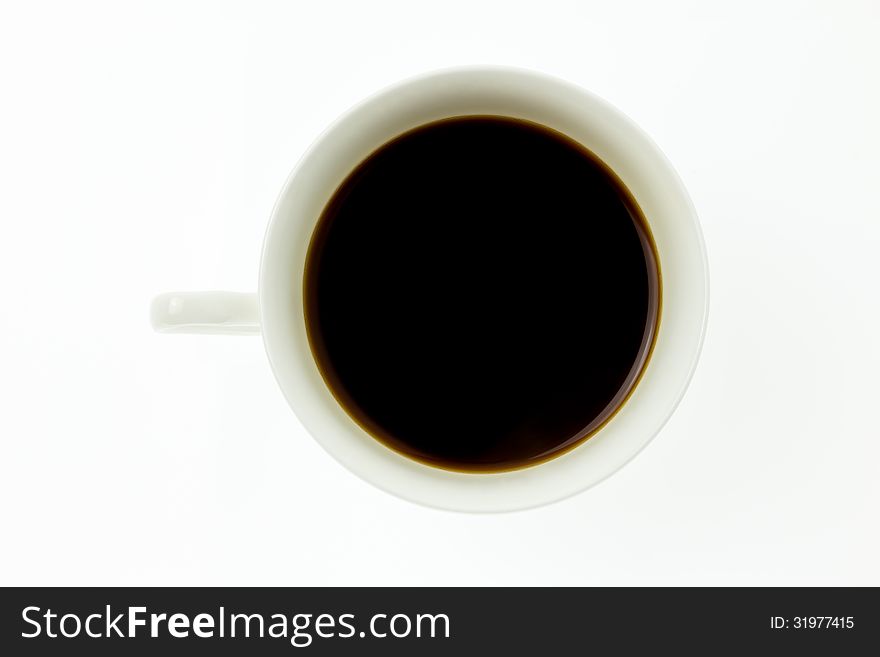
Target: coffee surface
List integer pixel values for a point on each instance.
(481, 294)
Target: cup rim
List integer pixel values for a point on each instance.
(406, 104)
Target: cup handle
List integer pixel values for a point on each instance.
(218, 313)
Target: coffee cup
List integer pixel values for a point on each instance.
(276, 311)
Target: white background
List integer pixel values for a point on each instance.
(142, 146)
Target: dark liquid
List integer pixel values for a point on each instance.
(481, 294)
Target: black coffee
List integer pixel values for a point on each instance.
(481, 293)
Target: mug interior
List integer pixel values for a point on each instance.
(523, 95)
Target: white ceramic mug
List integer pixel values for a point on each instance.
(276, 311)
